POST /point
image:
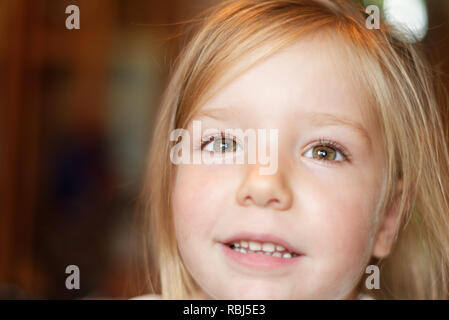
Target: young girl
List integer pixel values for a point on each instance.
(361, 173)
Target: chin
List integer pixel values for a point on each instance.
(258, 293)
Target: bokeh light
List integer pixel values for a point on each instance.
(410, 17)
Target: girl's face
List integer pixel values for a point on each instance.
(319, 206)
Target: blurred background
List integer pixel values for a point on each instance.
(77, 110)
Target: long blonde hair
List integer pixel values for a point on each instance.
(402, 95)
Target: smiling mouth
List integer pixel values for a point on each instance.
(265, 248)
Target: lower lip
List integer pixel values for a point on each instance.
(258, 260)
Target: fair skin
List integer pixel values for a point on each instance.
(325, 210)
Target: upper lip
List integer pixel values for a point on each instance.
(265, 237)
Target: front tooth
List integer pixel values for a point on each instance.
(268, 247)
(287, 255)
(255, 246)
(236, 244)
(277, 254)
(280, 248)
(242, 250)
(244, 244)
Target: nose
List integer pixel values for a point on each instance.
(268, 191)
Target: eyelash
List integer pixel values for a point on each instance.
(321, 142)
(212, 138)
(324, 142)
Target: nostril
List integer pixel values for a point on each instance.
(247, 200)
(274, 202)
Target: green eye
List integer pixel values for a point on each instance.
(220, 144)
(324, 153)
(224, 145)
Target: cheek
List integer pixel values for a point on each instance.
(338, 225)
(193, 202)
(347, 234)
(343, 216)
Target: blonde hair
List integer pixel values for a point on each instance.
(402, 93)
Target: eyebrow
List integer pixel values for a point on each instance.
(217, 113)
(323, 119)
(316, 118)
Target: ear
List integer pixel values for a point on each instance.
(387, 229)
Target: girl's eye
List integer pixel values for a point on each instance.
(326, 151)
(220, 144)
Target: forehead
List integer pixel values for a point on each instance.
(312, 76)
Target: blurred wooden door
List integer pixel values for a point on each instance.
(20, 48)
